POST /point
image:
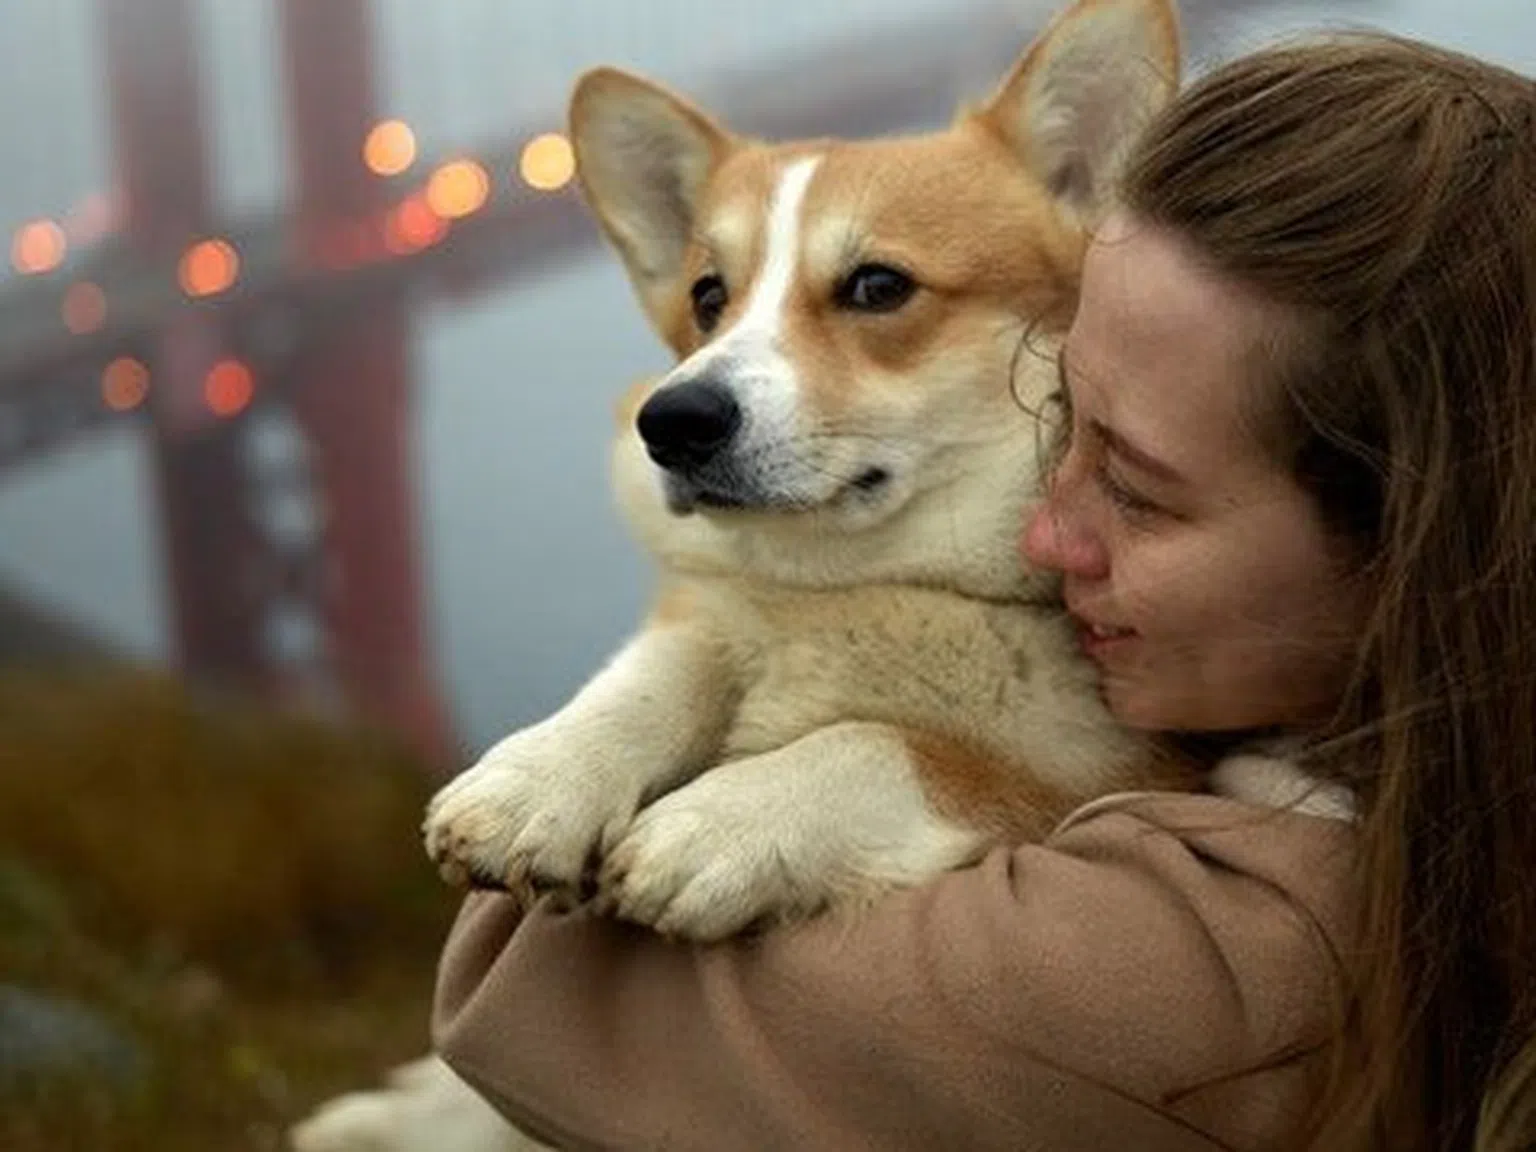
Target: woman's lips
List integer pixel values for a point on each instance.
(1098, 640)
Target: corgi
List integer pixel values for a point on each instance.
(849, 679)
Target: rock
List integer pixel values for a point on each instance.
(44, 1037)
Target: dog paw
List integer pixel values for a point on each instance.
(530, 817)
(713, 858)
(690, 872)
(837, 817)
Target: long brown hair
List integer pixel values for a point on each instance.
(1385, 193)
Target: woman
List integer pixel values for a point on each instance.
(1295, 499)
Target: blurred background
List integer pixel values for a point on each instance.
(307, 356)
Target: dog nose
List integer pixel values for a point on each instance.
(686, 425)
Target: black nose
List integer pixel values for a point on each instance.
(686, 425)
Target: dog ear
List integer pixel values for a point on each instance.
(643, 156)
(1074, 104)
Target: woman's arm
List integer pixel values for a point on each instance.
(1154, 976)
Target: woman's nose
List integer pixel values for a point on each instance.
(1052, 540)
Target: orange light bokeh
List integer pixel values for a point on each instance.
(39, 246)
(390, 148)
(547, 162)
(414, 226)
(209, 267)
(85, 308)
(458, 189)
(229, 388)
(124, 384)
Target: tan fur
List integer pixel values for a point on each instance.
(842, 685)
(933, 205)
(677, 603)
(971, 786)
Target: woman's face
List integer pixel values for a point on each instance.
(1200, 575)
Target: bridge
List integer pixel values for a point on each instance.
(265, 356)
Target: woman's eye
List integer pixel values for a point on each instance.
(1126, 499)
(709, 300)
(875, 288)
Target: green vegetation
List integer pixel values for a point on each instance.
(223, 911)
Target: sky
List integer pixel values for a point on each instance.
(531, 578)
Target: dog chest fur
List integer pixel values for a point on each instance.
(999, 679)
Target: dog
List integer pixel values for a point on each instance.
(849, 679)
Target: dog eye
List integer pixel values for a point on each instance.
(709, 300)
(875, 288)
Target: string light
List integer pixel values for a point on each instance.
(229, 387)
(39, 247)
(414, 226)
(390, 148)
(124, 384)
(458, 189)
(209, 267)
(547, 162)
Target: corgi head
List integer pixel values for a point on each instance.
(850, 318)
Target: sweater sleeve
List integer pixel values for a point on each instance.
(1158, 975)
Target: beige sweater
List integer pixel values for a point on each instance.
(1157, 977)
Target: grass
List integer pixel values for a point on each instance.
(240, 892)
